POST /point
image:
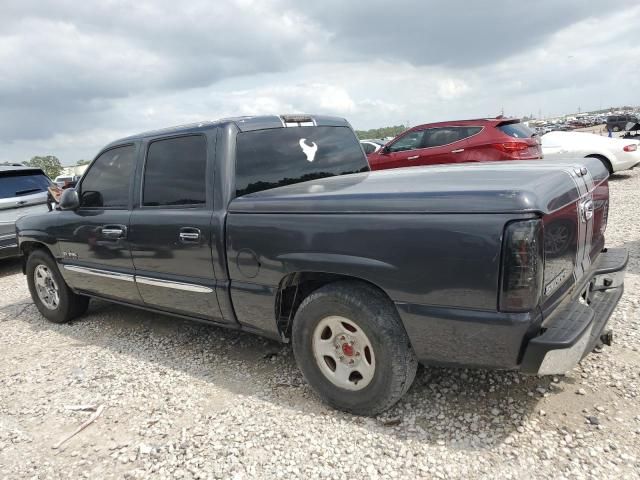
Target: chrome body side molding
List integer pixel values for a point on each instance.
(100, 273)
(189, 287)
(156, 282)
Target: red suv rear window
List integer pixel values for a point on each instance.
(517, 130)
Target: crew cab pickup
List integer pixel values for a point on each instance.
(275, 225)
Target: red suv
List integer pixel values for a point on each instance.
(482, 140)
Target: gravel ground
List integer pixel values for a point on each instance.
(189, 401)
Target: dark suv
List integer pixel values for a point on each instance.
(23, 190)
(617, 123)
(460, 141)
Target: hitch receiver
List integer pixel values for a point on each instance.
(607, 338)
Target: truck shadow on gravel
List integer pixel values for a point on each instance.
(617, 177)
(10, 266)
(467, 409)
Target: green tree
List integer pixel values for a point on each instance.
(83, 162)
(381, 132)
(49, 165)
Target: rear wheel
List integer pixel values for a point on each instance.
(616, 128)
(51, 295)
(352, 348)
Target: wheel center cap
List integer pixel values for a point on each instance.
(347, 349)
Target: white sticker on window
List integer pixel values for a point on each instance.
(309, 151)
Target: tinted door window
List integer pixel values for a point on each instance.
(106, 184)
(175, 172)
(436, 137)
(274, 158)
(410, 141)
(22, 182)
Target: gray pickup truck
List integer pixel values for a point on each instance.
(275, 225)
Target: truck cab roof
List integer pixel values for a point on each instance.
(244, 124)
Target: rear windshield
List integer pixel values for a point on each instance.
(273, 158)
(20, 183)
(517, 130)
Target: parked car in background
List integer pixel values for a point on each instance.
(64, 180)
(617, 123)
(371, 145)
(615, 153)
(23, 190)
(480, 140)
(365, 273)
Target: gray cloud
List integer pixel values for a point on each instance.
(458, 33)
(75, 74)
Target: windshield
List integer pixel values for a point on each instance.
(273, 158)
(19, 183)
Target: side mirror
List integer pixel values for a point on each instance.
(69, 200)
(385, 150)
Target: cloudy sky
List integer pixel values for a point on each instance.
(75, 75)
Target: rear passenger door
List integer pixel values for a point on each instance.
(170, 230)
(445, 145)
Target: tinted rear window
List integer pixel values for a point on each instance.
(273, 158)
(18, 184)
(516, 130)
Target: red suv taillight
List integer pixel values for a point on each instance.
(512, 146)
(630, 148)
(522, 266)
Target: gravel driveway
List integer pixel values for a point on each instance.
(189, 401)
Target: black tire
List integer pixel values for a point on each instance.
(70, 305)
(366, 306)
(605, 161)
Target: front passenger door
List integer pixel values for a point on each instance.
(404, 152)
(94, 239)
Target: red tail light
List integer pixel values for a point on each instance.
(630, 148)
(522, 266)
(510, 147)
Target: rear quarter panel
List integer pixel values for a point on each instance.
(442, 260)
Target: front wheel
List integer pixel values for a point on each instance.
(51, 295)
(352, 348)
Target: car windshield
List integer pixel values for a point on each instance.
(273, 158)
(19, 183)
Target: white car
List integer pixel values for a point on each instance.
(371, 145)
(616, 153)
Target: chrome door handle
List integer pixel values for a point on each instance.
(189, 235)
(459, 150)
(413, 158)
(113, 232)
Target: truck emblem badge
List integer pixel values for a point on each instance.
(309, 151)
(587, 210)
